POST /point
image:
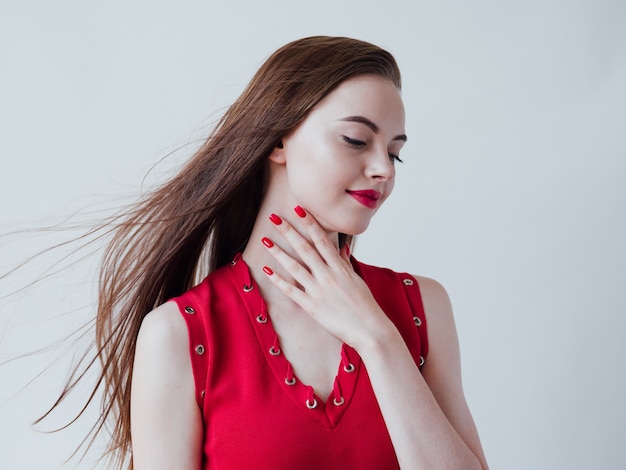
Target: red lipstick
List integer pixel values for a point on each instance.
(368, 197)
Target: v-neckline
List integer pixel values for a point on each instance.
(329, 411)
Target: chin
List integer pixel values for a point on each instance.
(348, 223)
(354, 229)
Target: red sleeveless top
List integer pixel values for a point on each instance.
(256, 413)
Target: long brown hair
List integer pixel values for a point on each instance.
(202, 217)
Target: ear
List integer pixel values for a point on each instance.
(278, 154)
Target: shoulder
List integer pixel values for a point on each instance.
(165, 327)
(438, 310)
(434, 296)
(162, 351)
(443, 347)
(443, 366)
(166, 425)
(435, 301)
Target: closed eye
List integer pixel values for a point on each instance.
(353, 142)
(359, 144)
(395, 158)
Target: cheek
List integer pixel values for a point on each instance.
(315, 162)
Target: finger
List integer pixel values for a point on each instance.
(299, 273)
(325, 247)
(306, 251)
(299, 296)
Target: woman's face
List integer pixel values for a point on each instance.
(339, 163)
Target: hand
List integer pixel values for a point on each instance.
(325, 284)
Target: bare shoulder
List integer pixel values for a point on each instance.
(435, 297)
(163, 326)
(166, 424)
(162, 352)
(442, 335)
(162, 361)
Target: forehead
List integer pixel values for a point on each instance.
(370, 96)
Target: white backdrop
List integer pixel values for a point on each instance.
(512, 192)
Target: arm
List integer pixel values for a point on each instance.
(166, 425)
(426, 415)
(442, 372)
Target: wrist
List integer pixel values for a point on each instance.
(381, 336)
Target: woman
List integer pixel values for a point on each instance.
(291, 354)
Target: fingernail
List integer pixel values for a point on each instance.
(275, 219)
(267, 242)
(300, 211)
(267, 270)
(347, 247)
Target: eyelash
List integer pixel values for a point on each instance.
(359, 143)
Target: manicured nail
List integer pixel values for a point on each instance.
(300, 211)
(275, 219)
(267, 270)
(347, 247)
(267, 242)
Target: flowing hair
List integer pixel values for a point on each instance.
(197, 221)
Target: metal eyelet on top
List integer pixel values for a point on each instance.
(417, 321)
(261, 319)
(349, 368)
(233, 262)
(200, 350)
(291, 381)
(274, 351)
(310, 405)
(189, 310)
(339, 402)
(408, 282)
(422, 361)
(247, 288)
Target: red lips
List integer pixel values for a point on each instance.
(368, 197)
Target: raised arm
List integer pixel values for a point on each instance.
(166, 425)
(426, 415)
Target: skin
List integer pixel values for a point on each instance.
(316, 300)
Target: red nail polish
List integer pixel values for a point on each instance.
(300, 211)
(267, 270)
(267, 242)
(347, 247)
(275, 219)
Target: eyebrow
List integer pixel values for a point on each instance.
(371, 125)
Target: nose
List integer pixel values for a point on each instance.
(380, 166)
